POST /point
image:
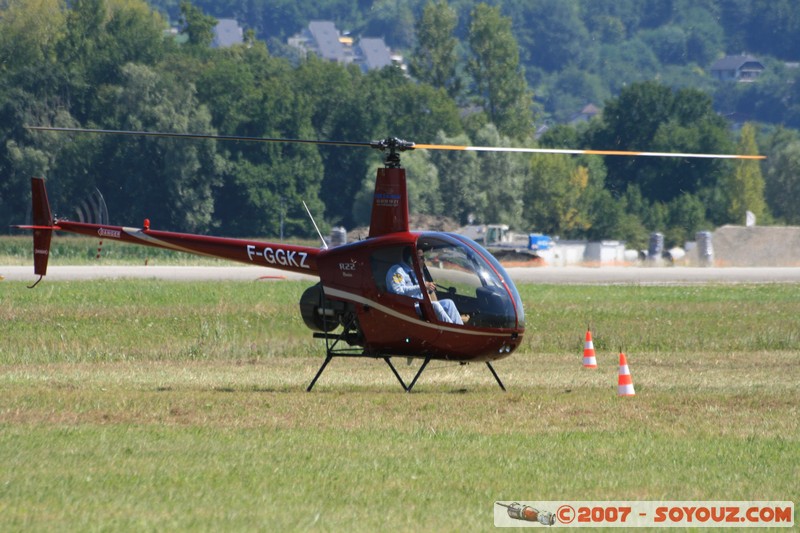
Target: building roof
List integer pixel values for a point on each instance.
(736, 62)
(227, 32)
(326, 37)
(375, 53)
(588, 112)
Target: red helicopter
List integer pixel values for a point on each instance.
(355, 307)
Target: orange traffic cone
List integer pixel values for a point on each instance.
(589, 360)
(625, 383)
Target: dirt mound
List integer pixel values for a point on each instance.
(756, 246)
(511, 258)
(432, 223)
(416, 222)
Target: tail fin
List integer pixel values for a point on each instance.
(390, 203)
(43, 224)
(42, 228)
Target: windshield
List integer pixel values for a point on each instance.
(467, 274)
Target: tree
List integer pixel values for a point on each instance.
(19, 160)
(734, 20)
(173, 178)
(101, 37)
(29, 32)
(626, 63)
(783, 182)
(551, 33)
(655, 13)
(30, 91)
(502, 176)
(85, 25)
(435, 59)
(569, 91)
(393, 20)
(263, 186)
(597, 14)
(669, 44)
(420, 112)
(500, 81)
(463, 189)
(744, 188)
(552, 196)
(198, 26)
(612, 220)
(649, 116)
(232, 84)
(630, 122)
(704, 35)
(774, 28)
(422, 182)
(686, 215)
(344, 105)
(133, 34)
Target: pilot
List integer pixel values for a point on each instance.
(401, 279)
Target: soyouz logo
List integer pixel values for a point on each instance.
(644, 514)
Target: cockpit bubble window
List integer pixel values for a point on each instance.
(467, 274)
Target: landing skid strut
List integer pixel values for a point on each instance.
(333, 352)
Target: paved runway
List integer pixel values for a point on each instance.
(555, 275)
(655, 275)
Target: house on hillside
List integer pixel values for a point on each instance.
(586, 114)
(227, 32)
(327, 42)
(373, 53)
(740, 68)
(324, 39)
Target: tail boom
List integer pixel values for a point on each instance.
(301, 259)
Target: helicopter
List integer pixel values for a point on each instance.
(353, 307)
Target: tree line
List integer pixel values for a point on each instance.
(110, 64)
(578, 51)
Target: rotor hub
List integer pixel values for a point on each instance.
(392, 146)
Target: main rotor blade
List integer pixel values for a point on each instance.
(401, 146)
(196, 136)
(580, 152)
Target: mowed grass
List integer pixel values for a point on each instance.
(151, 405)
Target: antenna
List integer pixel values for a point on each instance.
(324, 244)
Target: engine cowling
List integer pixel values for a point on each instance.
(321, 314)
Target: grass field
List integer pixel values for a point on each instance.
(150, 405)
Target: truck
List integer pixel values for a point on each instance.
(505, 244)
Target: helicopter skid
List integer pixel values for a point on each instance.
(333, 352)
